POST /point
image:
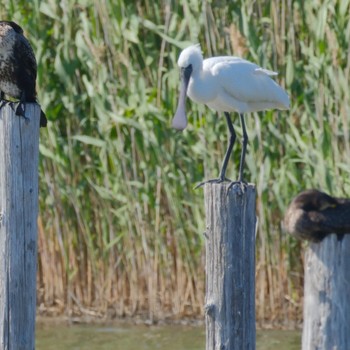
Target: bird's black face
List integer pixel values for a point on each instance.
(186, 73)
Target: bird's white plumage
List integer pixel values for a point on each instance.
(228, 84)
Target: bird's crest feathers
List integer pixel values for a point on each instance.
(191, 55)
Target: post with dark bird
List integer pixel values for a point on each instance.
(324, 221)
(228, 84)
(20, 121)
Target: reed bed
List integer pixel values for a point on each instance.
(120, 227)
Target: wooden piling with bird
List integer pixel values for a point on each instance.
(230, 266)
(19, 150)
(324, 221)
(228, 84)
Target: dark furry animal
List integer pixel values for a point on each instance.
(18, 68)
(313, 214)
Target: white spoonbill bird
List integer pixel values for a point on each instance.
(226, 84)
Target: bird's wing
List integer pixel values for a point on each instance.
(264, 71)
(246, 81)
(28, 57)
(215, 63)
(27, 68)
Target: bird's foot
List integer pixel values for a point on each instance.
(19, 109)
(242, 184)
(216, 181)
(3, 103)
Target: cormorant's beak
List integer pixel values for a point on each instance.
(180, 119)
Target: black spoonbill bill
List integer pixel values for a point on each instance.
(226, 84)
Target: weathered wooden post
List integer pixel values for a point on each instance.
(230, 267)
(325, 222)
(327, 295)
(19, 149)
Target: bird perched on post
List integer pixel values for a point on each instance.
(312, 215)
(226, 84)
(18, 68)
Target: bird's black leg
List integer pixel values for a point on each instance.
(232, 139)
(244, 148)
(231, 142)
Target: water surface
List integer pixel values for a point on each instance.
(87, 337)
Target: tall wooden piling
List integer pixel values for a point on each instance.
(19, 149)
(230, 267)
(326, 295)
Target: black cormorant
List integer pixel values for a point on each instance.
(18, 68)
(313, 214)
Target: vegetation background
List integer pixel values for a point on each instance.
(120, 226)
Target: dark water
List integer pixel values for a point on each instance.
(80, 337)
